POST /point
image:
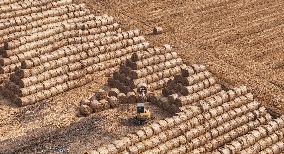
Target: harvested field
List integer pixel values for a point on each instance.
(239, 42)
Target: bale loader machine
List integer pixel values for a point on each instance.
(142, 114)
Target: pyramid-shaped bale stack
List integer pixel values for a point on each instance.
(153, 66)
(194, 83)
(230, 119)
(52, 46)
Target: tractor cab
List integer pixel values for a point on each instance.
(142, 114)
(140, 108)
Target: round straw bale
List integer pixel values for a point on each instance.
(113, 101)
(206, 83)
(156, 127)
(276, 148)
(280, 145)
(85, 110)
(144, 72)
(47, 93)
(141, 147)
(207, 115)
(170, 122)
(93, 97)
(220, 129)
(255, 147)
(224, 151)
(92, 152)
(150, 69)
(176, 142)
(187, 72)
(195, 97)
(105, 104)
(148, 144)
(214, 132)
(85, 102)
(122, 98)
(198, 68)
(133, 149)
(53, 91)
(262, 131)
(256, 135)
(131, 98)
(148, 131)
(231, 94)
(101, 94)
(133, 137)
(151, 97)
(249, 96)
(162, 137)
(191, 134)
(96, 105)
(157, 30)
(267, 151)
(127, 141)
(113, 92)
(195, 142)
(111, 148)
(280, 122)
(119, 144)
(164, 148)
(175, 132)
(273, 125)
(243, 89)
(102, 150)
(170, 145)
(141, 134)
(201, 86)
(215, 143)
(212, 81)
(183, 127)
(163, 124)
(146, 62)
(274, 138)
(202, 139)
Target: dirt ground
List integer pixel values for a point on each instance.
(240, 41)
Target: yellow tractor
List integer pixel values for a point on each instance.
(142, 114)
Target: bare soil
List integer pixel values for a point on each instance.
(240, 41)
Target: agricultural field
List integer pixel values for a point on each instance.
(225, 55)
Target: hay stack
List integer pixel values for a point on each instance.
(49, 47)
(231, 121)
(192, 84)
(154, 66)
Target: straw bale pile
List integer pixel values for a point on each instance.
(227, 122)
(51, 46)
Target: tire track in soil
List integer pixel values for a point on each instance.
(222, 27)
(263, 37)
(236, 31)
(235, 10)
